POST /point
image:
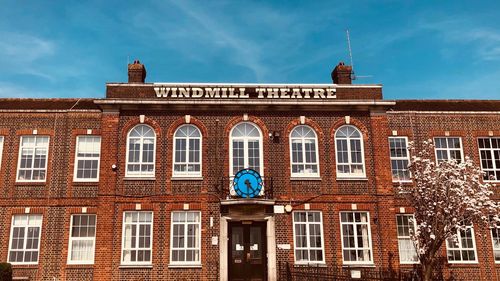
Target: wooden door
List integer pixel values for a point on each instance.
(247, 251)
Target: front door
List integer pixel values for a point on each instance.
(247, 251)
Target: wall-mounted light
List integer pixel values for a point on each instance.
(288, 208)
(114, 167)
(274, 136)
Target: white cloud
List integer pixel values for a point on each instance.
(22, 53)
(483, 41)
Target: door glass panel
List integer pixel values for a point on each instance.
(255, 244)
(237, 245)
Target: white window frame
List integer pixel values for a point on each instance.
(46, 147)
(350, 163)
(356, 248)
(245, 149)
(491, 150)
(140, 174)
(25, 238)
(495, 249)
(185, 263)
(98, 158)
(136, 225)
(448, 149)
(461, 248)
(2, 139)
(308, 247)
(404, 237)
(71, 239)
(302, 145)
(187, 174)
(407, 158)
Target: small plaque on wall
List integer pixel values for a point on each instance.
(279, 209)
(284, 246)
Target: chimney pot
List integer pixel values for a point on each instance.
(341, 74)
(136, 72)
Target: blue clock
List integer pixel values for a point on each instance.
(247, 183)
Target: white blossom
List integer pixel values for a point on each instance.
(446, 196)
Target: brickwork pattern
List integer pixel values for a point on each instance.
(59, 196)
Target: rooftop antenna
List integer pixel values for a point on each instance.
(353, 76)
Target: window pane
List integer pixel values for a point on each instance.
(141, 150)
(185, 246)
(308, 236)
(25, 239)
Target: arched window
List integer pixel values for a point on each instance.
(246, 148)
(304, 152)
(187, 151)
(349, 146)
(141, 151)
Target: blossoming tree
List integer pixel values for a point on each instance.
(446, 196)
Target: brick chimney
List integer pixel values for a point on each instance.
(341, 74)
(136, 72)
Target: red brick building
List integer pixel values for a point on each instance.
(172, 181)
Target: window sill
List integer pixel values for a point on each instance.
(297, 178)
(402, 182)
(353, 265)
(85, 182)
(463, 264)
(139, 178)
(310, 264)
(125, 266)
(177, 178)
(80, 265)
(184, 266)
(24, 265)
(408, 264)
(26, 183)
(352, 179)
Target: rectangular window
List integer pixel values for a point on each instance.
(463, 250)
(400, 158)
(489, 153)
(88, 152)
(185, 238)
(495, 236)
(448, 148)
(33, 153)
(1, 151)
(25, 239)
(82, 239)
(356, 238)
(406, 227)
(308, 237)
(137, 237)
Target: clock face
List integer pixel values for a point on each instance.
(247, 183)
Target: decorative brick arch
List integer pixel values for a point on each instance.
(353, 122)
(204, 143)
(182, 121)
(265, 139)
(320, 138)
(147, 121)
(252, 119)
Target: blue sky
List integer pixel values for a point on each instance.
(416, 49)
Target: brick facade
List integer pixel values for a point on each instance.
(59, 196)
